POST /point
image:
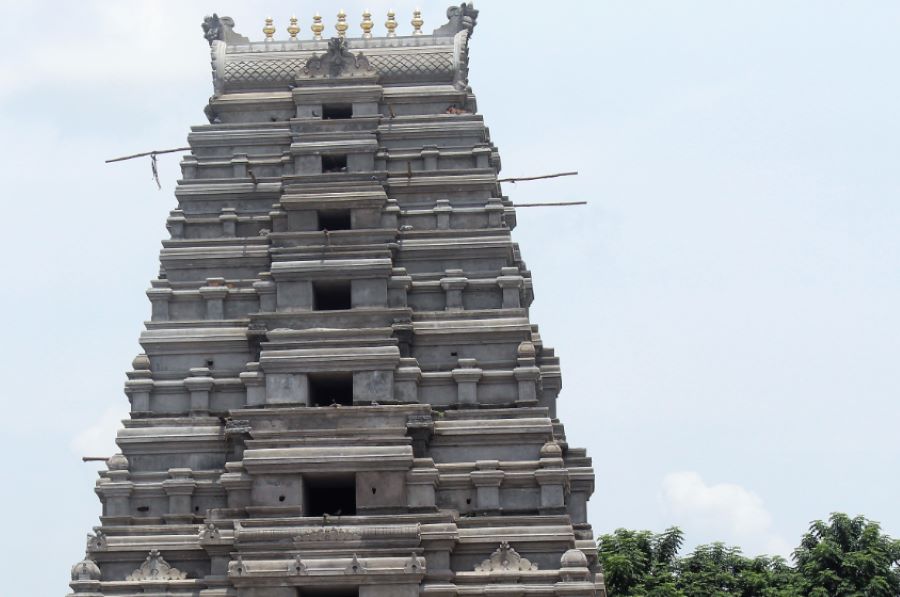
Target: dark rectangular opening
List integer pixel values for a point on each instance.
(331, 295)
(337, 219)
(334, 163)
(329, 592)
(334, 495)
(326, 389)
(337, 111)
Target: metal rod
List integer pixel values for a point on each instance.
(140, 155)
(538, 177)
(559, 204)
(94, 458)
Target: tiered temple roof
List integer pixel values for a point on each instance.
(341, 392)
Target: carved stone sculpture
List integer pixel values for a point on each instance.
(155, 568)
(505, 558)
(338, 61)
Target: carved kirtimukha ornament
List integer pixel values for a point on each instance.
(505, 558)
(338, 61)
(156, 568)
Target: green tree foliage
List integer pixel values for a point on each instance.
(848, 557)
(844, 557)
(639, 563)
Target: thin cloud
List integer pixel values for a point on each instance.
(721, 512)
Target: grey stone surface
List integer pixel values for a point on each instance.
(340, 386)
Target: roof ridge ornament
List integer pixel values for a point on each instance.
(338, 61)
(460, 18)
(216, 28)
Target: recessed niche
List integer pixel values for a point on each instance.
(331, 295)
(334, 163)
(332, 495)
(335, 219)
(337, 111)
(327, 389)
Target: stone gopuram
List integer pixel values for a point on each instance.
(341, 393)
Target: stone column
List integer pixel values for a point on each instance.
(237, 484)
(115, 490)
(442, 212)
(453, 284)
(189, 167)
(180, 488)
(199, 384)
(159, 300)
(511, 283)
(265, 288)
(175, 223)
(255, 382)
(430, 155)
(407, 377)
(467, 376)
(228, 218)
(482, 155)
(139, 385)
(494, 209)
(214, 294)
(240, 164)
(527, 374)
(421, 483)
(487, 480)
(553, 479)
(398, 286)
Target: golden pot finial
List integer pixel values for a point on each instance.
(269, 29)
(293, 29)
(317, 26)
(417, 22)
(391, 24)
(342, 25)
(367, 24)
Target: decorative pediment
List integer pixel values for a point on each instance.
(155, 568)
(338, 61)
(505, 558)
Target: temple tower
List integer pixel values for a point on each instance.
(341, 393)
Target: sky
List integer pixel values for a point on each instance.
(725, 306)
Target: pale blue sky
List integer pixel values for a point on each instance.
(725, 308)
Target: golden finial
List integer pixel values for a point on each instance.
(269, 29)
(391, 24)
(317, 26)
(417, 22)
(342, 25)
(293, 29)
(367, 24)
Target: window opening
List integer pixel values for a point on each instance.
(326, 389)
(338, 219)
(334, 163)
(331, 295)
(333, 495)
(337, 111)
